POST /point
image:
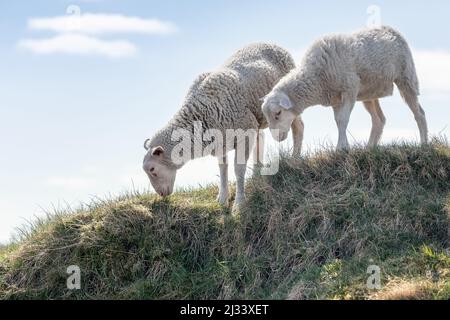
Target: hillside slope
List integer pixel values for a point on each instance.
(309, 232)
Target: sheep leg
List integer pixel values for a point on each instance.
(258, 149)
(297, 135)
(378, 121)
(419, 114)
(342, 117)
(240, 168)
(222, 198)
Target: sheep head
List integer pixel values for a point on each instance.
(277, 108)
(160, 169)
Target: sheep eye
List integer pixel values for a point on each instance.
(152, 169)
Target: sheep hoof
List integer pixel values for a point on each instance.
(343, 147)
(222, 199)
(236, 209)
(238, 202)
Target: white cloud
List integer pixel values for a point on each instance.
(433, 69)
(89, 23)
(79, 45)
(77, 33)
(70, 182)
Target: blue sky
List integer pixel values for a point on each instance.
(72, 124)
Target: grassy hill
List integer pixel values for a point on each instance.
(309, 232)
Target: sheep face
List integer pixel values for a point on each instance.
(277, 108)
(160, 170)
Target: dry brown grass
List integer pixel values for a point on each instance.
(406, 290)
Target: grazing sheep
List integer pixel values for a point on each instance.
(228, 98)
(339, 70)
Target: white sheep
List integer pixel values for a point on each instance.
(228, 98)
(339, 70)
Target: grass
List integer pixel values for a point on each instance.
(308, 232)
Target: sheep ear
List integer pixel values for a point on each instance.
(147, 144)
(158, 151)
(285, 102)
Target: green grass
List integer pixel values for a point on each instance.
(309, 232)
